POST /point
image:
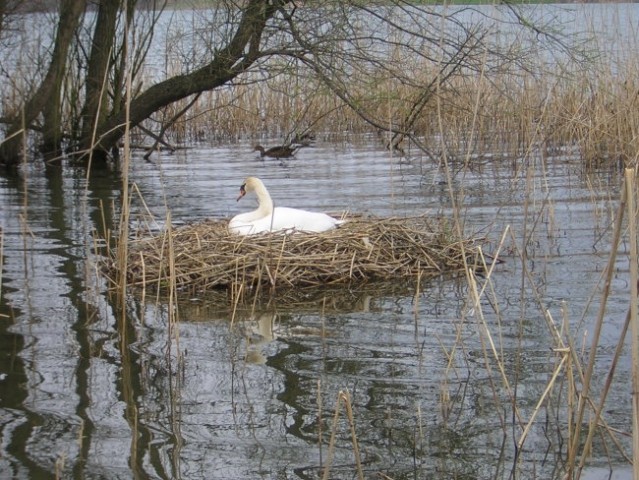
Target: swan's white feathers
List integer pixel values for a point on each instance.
(268, 219)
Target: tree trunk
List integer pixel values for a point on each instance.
(229, 62)
(47, 95)
(96, 101)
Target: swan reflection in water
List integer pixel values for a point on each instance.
(264, 328)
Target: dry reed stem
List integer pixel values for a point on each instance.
(610, 268)
(343, 397)
(576, 364)
(476, 300)
(542, 399)
(597, 420)
(572, 385)
(173, 331)
(206, 256)
(631, 195)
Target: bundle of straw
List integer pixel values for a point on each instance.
(205, 256)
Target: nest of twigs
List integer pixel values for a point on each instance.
(205, 256)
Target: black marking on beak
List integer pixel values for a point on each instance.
(242, 192)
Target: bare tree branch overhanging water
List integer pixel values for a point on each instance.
(71, 100)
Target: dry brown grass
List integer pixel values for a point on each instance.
(205, 256)
(593, 115)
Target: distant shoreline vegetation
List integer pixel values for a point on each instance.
(552, 87)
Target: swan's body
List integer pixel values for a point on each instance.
(281, 151)
(282, 218)
(268, 219)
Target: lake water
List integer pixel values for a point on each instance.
(90, 391)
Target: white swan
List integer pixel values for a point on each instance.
(268, 219)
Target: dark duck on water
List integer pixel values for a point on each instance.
(281, 151)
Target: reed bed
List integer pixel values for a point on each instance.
(592, 118)
(205, 256)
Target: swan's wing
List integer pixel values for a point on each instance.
(303, 220)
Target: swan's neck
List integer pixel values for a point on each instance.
(265, 203)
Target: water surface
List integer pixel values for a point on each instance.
(92, 393)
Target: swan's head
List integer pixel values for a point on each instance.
(250, 184)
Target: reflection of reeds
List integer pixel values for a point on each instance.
(1, 259)
(343, 397)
